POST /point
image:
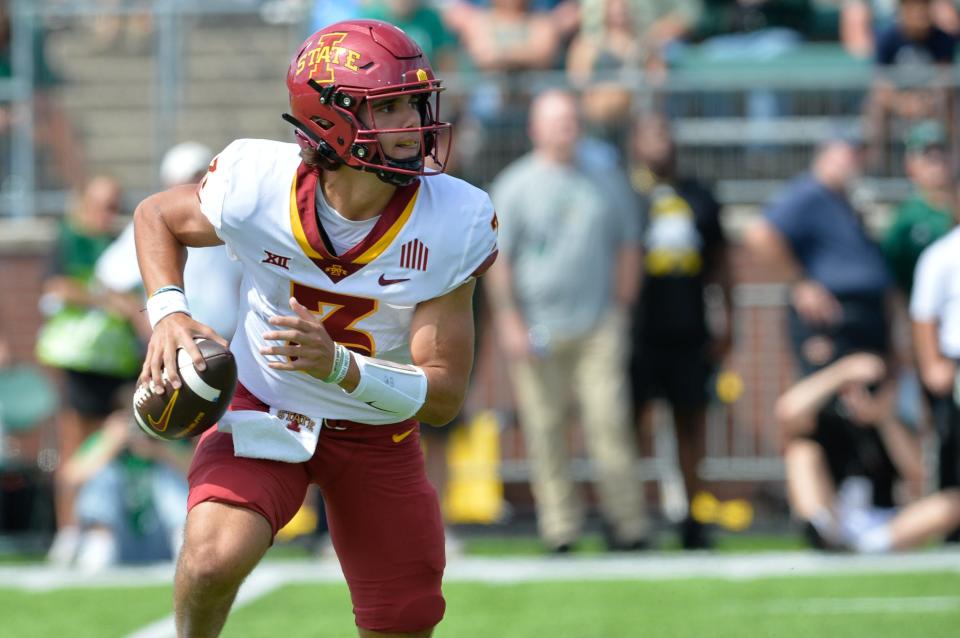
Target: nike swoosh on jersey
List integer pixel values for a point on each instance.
(377, 407)
(383, 281)
(161, 424)
(399, 437)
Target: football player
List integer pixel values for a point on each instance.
(355, 325)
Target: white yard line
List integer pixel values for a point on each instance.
(526, 569)
(274, 574)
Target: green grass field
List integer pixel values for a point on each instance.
(539, 598)
(875, 606)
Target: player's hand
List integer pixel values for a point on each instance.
(307, 345)
(175, 331)
(815, 304)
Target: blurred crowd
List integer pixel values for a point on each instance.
(609, 253)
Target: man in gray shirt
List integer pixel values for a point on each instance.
(568, 270)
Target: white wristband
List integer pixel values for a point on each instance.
(391, 388)
(166, 302)
(341, 365)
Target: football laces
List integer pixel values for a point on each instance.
(141, 395)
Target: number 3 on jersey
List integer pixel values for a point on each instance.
(339, 313)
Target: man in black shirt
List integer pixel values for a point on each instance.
(674, 352)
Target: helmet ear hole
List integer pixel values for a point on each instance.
(326, 125)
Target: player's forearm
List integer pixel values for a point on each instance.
(445, 395)
(164, 225)
(160, 253)
(445, 389)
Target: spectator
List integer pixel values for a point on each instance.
(421, 22)
(563, 14)
(844, 455)
(936, 339)
(52, 130)
(89, 334)
(119, 24)
(674, 353)
(750, 31)
(812, 235)
(913, 56)
(860, 20)
(131, 495)
(923, 218)
(559, 296)
(502, 41)
(631, 37)
(508, 37)
(928, 213)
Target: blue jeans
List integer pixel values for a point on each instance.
(145, 512)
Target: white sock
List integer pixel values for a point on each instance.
(875, 541)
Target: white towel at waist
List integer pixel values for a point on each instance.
(276, 435)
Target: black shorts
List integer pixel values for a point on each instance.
(679, 374)
(94, 395)
(863, 328)
(852, 450)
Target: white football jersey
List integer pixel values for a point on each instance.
(433, 236)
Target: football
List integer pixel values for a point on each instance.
(200, 401)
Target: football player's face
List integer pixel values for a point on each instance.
(398, 113)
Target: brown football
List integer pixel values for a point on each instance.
(199, 402)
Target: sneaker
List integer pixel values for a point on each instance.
(63, 549)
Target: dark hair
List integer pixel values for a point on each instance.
(316, 160)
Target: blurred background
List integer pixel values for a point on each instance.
(94, 94)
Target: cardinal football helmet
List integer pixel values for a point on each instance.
(334, 79)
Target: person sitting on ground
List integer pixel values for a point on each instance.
(131, 495)
(845, 453)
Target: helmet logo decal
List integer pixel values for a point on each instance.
(323, 58)
(421, 75)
